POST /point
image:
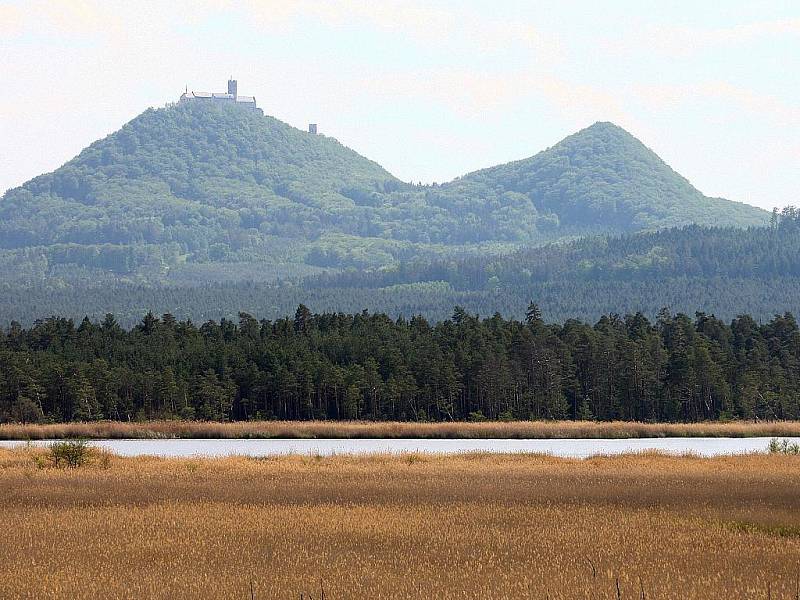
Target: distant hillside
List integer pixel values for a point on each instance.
(691, 251)
(190, 183)
(726, 271)
(202, 193)
(217, 193)
(604, 179)
(722, 271)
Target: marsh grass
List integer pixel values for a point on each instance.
(395, 430)
(465, 526)
(784, 531)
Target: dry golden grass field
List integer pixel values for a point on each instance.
(471, 526)
(371, 429)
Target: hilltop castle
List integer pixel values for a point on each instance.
(232, 97)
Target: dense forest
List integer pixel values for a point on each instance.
(559, 300)
(369, 366)
(187, 191)
(691, 251)
(725, 271)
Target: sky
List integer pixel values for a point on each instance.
(430, 90)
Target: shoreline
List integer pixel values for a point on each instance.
(339, 430)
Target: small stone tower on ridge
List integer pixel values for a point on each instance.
(232, 85)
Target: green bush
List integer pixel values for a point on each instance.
(71, 453)
(777, 446)
(477, 417)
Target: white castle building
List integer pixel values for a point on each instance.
(232, 97)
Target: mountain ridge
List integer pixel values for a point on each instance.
(209, 185)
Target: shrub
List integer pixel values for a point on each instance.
(71, 453)
(477, 417)
(777, 446)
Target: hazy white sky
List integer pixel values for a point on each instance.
(430, 90)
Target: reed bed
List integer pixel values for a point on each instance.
(396, 430)
(469, 526)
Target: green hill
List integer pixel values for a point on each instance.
(208, 193)
(604, 179)
(203, 182)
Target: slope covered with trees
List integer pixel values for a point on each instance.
(677, 252)
(694, 259)
(603, 179)
(216, 193)
(723, 271)
(364, 366)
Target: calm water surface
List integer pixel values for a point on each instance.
(566, 448)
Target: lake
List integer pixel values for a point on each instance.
(328, 447)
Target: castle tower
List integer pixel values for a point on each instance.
(232, 85)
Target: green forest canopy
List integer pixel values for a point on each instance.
(369, 366)
(724, 271)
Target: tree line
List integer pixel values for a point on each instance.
(689, 251)
(370, 366)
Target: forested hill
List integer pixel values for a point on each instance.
(604, 179)
(192, 176)
(212, 193)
